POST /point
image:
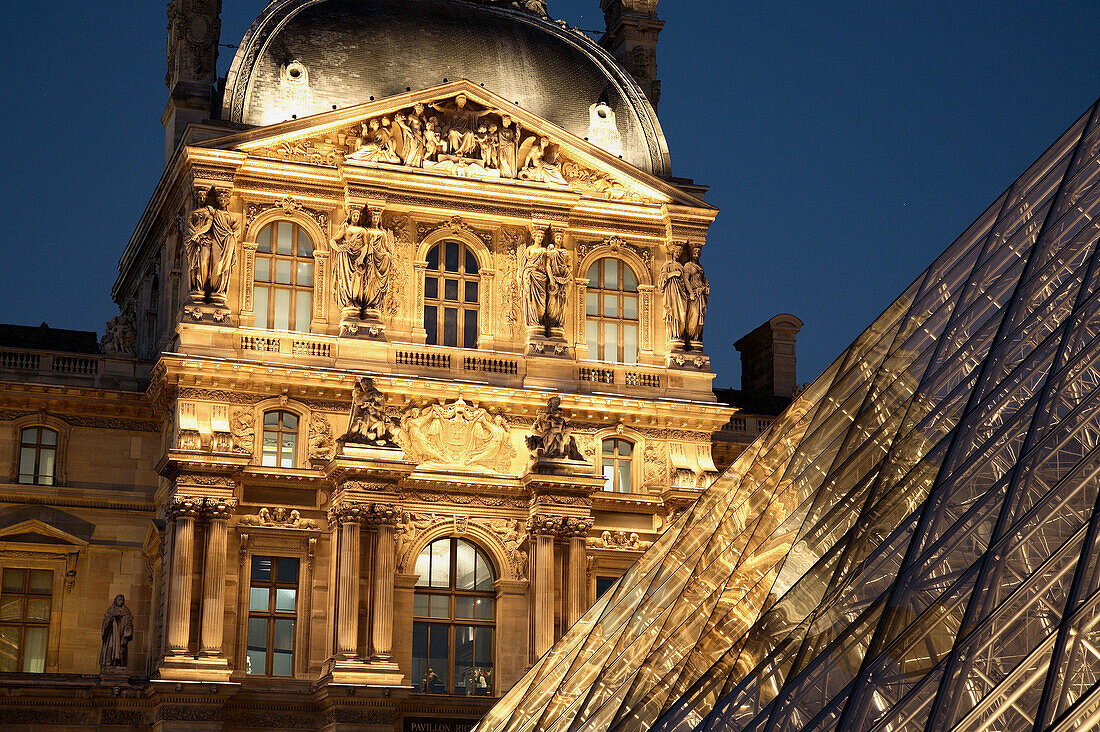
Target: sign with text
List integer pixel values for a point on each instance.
(434, 724)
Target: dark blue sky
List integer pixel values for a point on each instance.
(846, 143)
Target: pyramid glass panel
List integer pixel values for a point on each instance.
(914, 544)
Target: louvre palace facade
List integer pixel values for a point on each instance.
(408, 370)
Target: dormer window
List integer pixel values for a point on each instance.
(283, 291)
(451, 294)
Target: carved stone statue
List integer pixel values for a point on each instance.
(378, 142)
(211, 247)
(462, 123)
(363, 262)
(369, 424)
(243, 432)
(698, 288)
(348, 247)
(674, 288)
(322, 445)
(560, 273)
(119, 336)
(539, 161)
(117, 631)
(535, 280)
(551, 436)
(379, 261)
(508, 148)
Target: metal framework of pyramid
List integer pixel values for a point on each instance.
(915, 544)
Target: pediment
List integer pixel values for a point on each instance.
(34, 531)
(456, 129)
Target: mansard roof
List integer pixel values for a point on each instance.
(301, 57)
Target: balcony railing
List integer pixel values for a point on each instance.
(629, 375)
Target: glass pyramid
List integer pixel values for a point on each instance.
(914, 544)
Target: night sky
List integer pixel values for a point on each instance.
(846, 144)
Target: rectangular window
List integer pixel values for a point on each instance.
(272, 613)
(430, 668)
(25, 605)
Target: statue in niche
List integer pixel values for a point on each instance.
(551, 436)
(119, 336)
(560, 272)
(535, 278)
(462, 123)
(116, 633)
(539, 161)
(698, 288)
(369, 424)
(507, 147)
(363, 260)
(211, 247)
(675, 291)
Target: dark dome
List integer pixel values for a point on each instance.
(302, 57)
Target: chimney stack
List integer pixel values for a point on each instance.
(768, 358)
(194, 29)
(631, 37)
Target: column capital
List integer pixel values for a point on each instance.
(218, 509)
(575, 527)
(347, 512)
(183, 507)
(381, 514)
(543, 524)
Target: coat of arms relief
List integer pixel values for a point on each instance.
(457, 435)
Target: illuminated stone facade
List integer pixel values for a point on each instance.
(397, 390)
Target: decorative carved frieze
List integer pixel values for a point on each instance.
(278, 517)
(454, 225)
(616, 244)
(618, 540)
(288, 204)
(205, 479)
(458, 434)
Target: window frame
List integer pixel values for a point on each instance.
(280, 431)
(452, 621)
(596, 348)
(272, 614)
(39, 447)
(266, 320)
(616, 461)
(23, 623)
(462, 306)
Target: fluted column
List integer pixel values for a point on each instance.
(575, 531)
(543, 529)
(347, 518)
(182, 511)
(384, 519)
(216, 511)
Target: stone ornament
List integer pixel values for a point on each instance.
(363, 263)
(218, 509)
(540, 524)
(348, 512)
(278, 517)
(512, 534)
(551, 436)
(322, 444)
(698, 289)
(211, 247)
(183, 507)
(242, 431)
(572, 526)
(119, 336)
(116, 632)
(458, 434)
(674, 289)
(618, 540)
(369, 423)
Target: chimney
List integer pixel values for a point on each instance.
(194, 29)
(631, 37)
(768, 359)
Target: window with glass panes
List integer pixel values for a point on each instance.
(616, 460)
(25, 604)
(454, 614)
(272, 611)
(611, 309)
(451, 282)
(37, 455)
(280, 446)
(282, 296)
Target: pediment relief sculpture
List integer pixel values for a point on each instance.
(457, 136)
(457, 435)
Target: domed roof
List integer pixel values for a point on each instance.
(302, 57)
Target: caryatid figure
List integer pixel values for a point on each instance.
(211, 247)
(535, 280)
(675, 291)
(378, 258)
(349, 246)
(559, 270)
(698, 293)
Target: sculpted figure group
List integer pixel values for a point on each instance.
(369, 423)
(455, 137)
(363, 263)
(210, 244)
(686, 290)
(545, 280)
(552, 436)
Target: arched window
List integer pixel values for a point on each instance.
(611, 306)
(38, 455)
(283, 293)
(280, 448)
(451, 282)
(453, 619)
(616, 458)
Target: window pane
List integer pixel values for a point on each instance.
(608, 447)
(9, 648)
(288, 570)
(625, 448)
(257, 646)
(263, 269)
(450, 326)
(271, 419)
(474, 608)
(38, 609)
(624, 476)
(41, 580)
(285, 238)
(269, 459)
(464, 566)
(11, 607)
(441, 563)
(483, 661)
(423, 563)
(420, 603)
(430, 324)
(263, 241)
(45, 466)
(591, 331)
(471, 263)
(471, 291)
(630, 307)
(281, 316)
(450, 290)
(26, 464)
(611, 306)
(420, 657)
(485, 576)
(303, 306)
(256, 661)
(305, 244)
(603, 584)
(630, 282)
(594, 275)
(48, 437)
(610, 341)
(464, 660)
(431, 287)
(259, 306)
(433, 258)
(284, 599)
(591, 303)
(283, 268)
(305, 274)
(259, 599)
(611, 274)
(451, 264)
(437, 659)
(469, 333)
(14, 579)
(261, 570)
(34, 650)
(630, 344)
(608, 474)
(439, 606)
(284, 635)
(287, 457)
